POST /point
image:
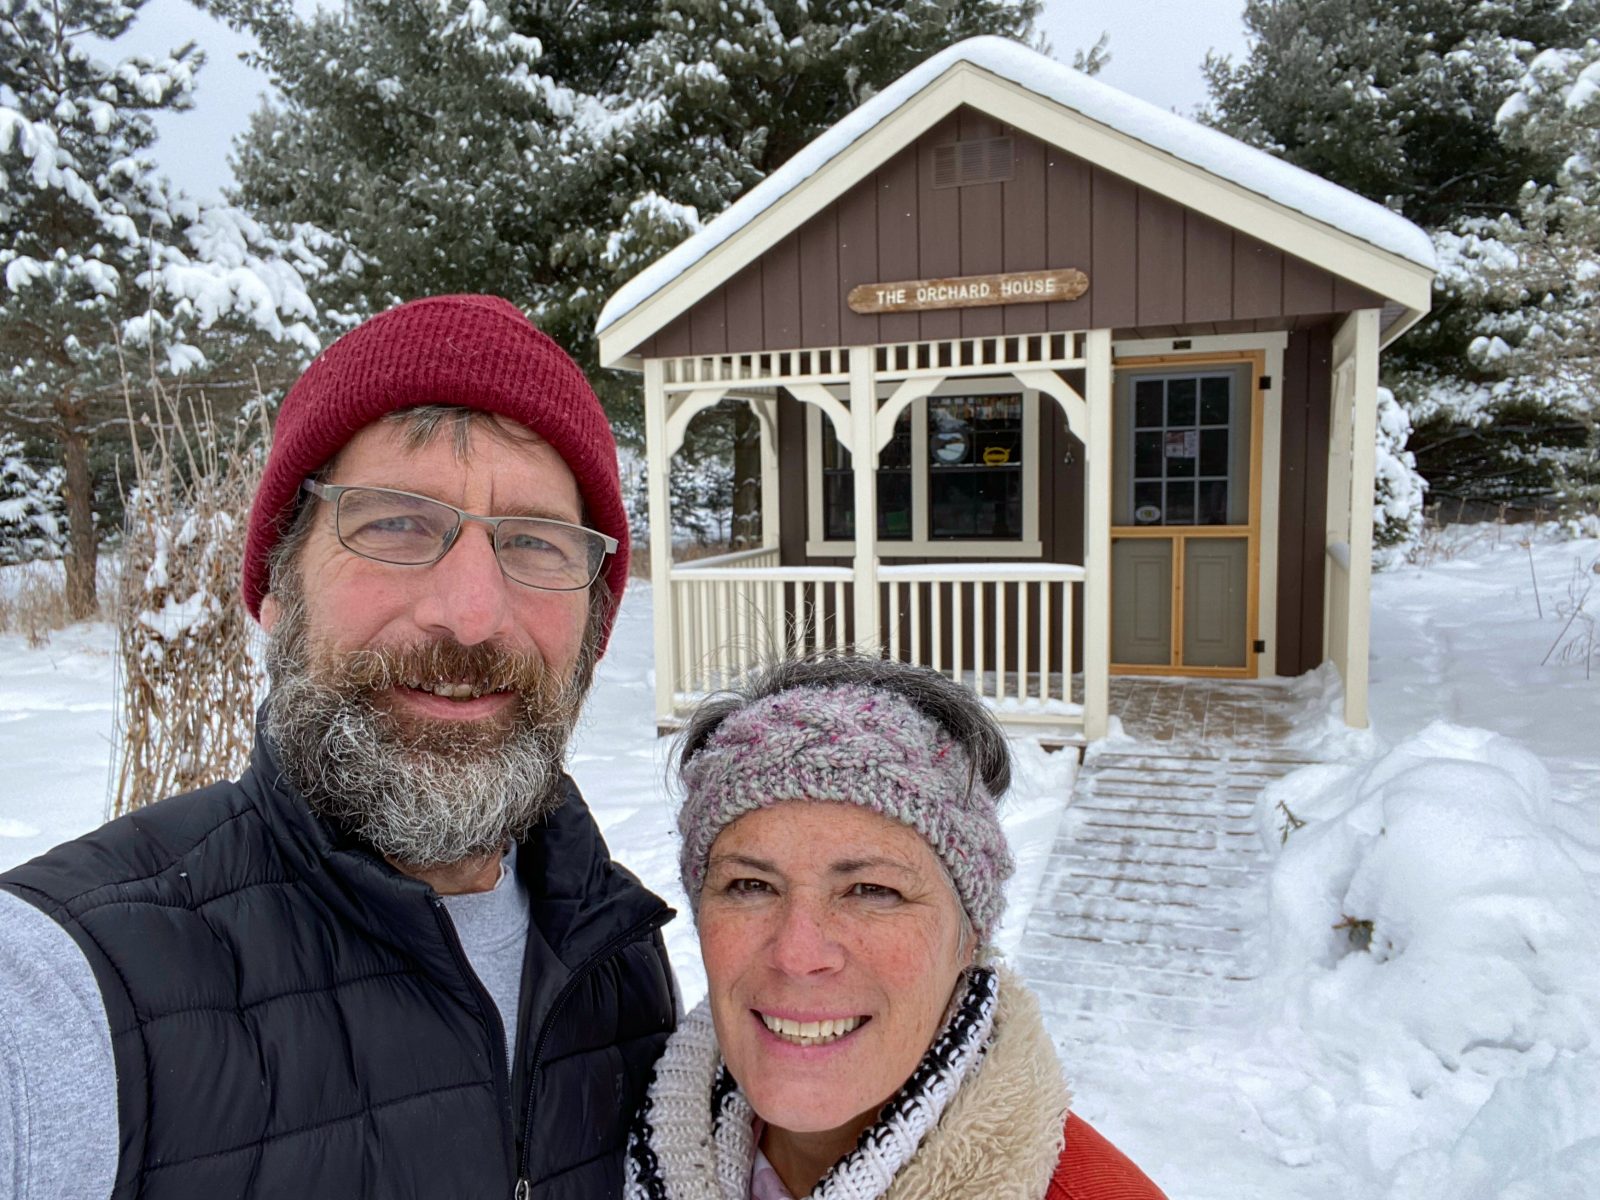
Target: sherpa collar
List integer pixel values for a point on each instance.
(981, 1116)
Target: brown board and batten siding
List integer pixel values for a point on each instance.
(1152, 264)
(1303, 498)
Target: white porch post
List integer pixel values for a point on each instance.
(658, 459)
(1097, 536)
(1357, 342)
(864, 460)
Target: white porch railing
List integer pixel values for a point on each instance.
(761, 556)
(726, 619)
(1004, 629)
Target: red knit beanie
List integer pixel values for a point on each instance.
(468, 351)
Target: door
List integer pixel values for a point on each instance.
(1185, 516)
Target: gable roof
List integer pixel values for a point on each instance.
(1200, 167)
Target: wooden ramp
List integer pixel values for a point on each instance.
(1138, 922)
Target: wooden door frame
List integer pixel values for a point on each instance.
(1180, 534)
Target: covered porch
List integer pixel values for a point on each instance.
(1009, 629)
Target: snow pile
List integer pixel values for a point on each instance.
(1434, 958)
(1398, 488)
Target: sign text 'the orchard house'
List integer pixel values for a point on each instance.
(969, 291)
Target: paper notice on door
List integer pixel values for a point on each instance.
(1183, 443)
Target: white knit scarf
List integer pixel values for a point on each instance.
(694, 1137)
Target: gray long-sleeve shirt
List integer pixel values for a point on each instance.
(58, 1080)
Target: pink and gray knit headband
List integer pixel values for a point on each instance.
(848, 744)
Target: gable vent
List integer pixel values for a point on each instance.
(981, 160)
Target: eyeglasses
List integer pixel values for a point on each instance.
(408, 530)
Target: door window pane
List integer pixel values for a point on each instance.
(1147, 402)
(1214, 395)
(1214, 452)
(1147, 454)
(1147, 508)
(1180, 402)
(1213, 502)
(1180, 504)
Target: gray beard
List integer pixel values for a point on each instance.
(419, 795)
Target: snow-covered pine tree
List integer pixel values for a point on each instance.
(465, 145)
(1397, 99)
(32, 518)
(1538, 267)
(726, 91)
(100, 258)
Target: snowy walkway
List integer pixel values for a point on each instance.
(1139, 924)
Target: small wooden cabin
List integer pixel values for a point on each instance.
(1052, 385)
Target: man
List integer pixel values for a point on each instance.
(394, 958)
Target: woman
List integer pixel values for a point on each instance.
(844, 861)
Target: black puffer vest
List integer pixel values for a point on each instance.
(291, 1017)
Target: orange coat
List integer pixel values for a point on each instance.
(1091, 1168)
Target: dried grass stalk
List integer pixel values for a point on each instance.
(189, 679)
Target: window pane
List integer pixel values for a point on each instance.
(894, 505)
(975, 502)
(838, 505)
(1147, 454)
(1180, 504)
(1147, 402)
(1180, 460)
(1180, 401)
(1213, 502)
(1147, 503)
(897, 453)
(1214, 451)
(1214, 401)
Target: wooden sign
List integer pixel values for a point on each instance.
(969, 291)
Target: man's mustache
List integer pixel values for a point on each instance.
(484, 668)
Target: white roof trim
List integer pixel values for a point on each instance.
(1196, 165)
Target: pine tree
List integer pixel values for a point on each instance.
(101, 261)
(1397, 100)
(32, 518)
(1537, 268)
(468, 145)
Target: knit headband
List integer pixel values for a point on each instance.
(848, 744)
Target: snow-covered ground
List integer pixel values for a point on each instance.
(1458, 1056)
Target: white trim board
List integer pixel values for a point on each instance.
(1303, 215)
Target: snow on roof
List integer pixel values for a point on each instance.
(1196, 144)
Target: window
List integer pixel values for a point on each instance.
(975, 467)
(1182, 449)
(957, 477)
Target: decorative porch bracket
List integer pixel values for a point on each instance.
(816, 393)
(1064, 394)
(683, 409)
(904, 396)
